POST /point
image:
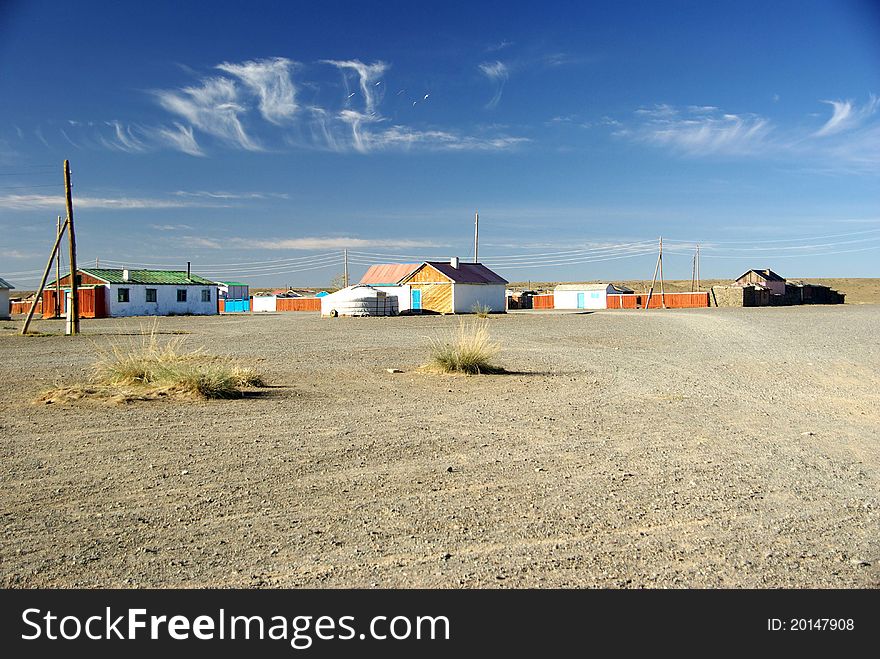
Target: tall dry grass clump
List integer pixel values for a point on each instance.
(155, 368)
(468, 350)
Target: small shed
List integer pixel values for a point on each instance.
(455, 287)
(232, 290)
(5, 287)
(766, 278)
(585, 296)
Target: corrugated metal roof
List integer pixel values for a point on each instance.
(388, 274)
(467, 273)
(5, 284)
(173, 277)
(231, 283)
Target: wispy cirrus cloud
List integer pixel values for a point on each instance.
(213, 107)
(397, 136)
(232, 195)
(246, 105)
(270, 80)
(172, 227)
(704, 130)
(341, 242)
(847, 115)
(368, 78)
(43, 202)
(180, 138)
(849, 141)
(498, 73)
(124, 138)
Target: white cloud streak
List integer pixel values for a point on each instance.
(213, 108)
(180, 138)
(498, 73)
(42, 202)
(368, 75)
(701, 130)
(270, 80)
(330, 243)
(846, 115)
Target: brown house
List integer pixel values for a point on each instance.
(766, 278)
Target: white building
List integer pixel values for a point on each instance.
(585, 296)
(5, 287)
(149, 292)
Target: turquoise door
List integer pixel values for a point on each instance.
(580, 300)
(416, 299)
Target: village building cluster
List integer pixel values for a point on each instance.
(388, 289)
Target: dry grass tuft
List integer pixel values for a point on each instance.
(468, 350)
(152, 368)
(481, 310)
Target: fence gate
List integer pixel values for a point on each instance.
(236, 306)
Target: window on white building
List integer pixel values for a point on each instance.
(206, 295)
(151, 295)
(122, 295)
(181, 295)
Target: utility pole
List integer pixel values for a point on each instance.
(30, 314)
(74, 296)
(658, 267)
(698, 267)
(662, 291)
(476, 236)
(345, 270)
(58, 272)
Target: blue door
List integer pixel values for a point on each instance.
(580, 300)
(416, 299)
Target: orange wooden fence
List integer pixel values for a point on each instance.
(672, 300)
(542, 301)
(297, 304)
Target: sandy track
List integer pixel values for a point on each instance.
(631, 449)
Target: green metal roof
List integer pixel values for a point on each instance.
(231, 283)
(172, 277)
(5, 284)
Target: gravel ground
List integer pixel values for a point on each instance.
(687, 448)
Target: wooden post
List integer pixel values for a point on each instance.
(58, 273)
(74, 297)
(30, 314)
(698, 267)
(660, 262)
(653, 281)
(476, 236)
(345, 268)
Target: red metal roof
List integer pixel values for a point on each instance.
(388, 274)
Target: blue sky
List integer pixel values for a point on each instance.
(258, 140)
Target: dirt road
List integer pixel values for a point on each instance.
(688, 448)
